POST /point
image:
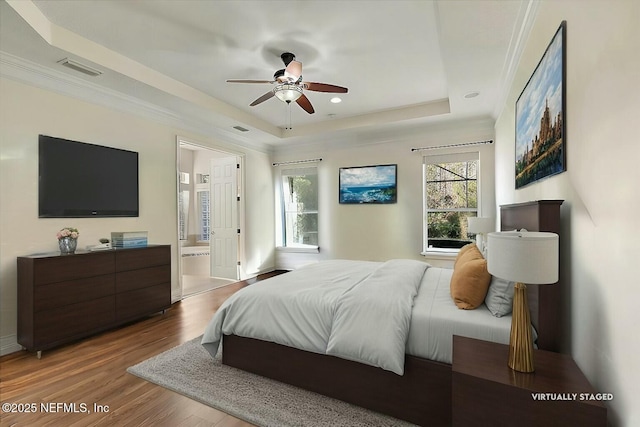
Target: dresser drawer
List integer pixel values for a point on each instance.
(141, 302)
(132, 259)
(61, 294)
(64, 323)
(142, 278)
(71, 267)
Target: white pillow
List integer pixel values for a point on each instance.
(499, 299)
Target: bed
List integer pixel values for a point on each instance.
(328, 347)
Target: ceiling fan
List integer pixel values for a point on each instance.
(289, 85)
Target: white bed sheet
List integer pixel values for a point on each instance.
(435, 319)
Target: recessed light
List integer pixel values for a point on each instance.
(471, 95)
(336, 100)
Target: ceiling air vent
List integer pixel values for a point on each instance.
(75, 65)
(241, 129)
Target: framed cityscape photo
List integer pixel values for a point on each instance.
(540, 117)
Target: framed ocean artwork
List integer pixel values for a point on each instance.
(368, 184)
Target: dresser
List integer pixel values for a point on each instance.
(62, 298)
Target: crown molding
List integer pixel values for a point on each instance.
(33, 74)
(401, 135)
(519, 37)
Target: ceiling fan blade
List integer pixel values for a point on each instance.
(304, 102)
(249, 81)
(293, 70)
(262, 98)
(324, 87)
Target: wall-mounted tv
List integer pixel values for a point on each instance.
(80, 180)
(368, 184)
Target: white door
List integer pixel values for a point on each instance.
(224, 218)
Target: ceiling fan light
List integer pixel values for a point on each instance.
(288, 92)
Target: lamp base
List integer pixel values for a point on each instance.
(521, 341)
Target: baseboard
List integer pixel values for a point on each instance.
(9, 344)
(256, 273)
(286, 260)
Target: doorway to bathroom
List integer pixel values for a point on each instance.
(209, 216)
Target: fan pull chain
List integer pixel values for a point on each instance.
(288, 126)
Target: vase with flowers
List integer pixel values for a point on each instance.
(68, 240)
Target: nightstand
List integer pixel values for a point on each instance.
(486, 392)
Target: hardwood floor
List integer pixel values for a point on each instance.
(192, 285)
(90, 377)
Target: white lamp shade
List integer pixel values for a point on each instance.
(287, 92)
(477, 225)
(526, 257)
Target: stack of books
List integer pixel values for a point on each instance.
(128, 239)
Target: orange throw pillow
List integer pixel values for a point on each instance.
(470, 279)
(466, 253)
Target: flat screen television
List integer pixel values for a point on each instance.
(368, 184)
(81, 180)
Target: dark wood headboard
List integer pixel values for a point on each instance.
(544, 300)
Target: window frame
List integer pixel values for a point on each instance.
(285, 173)
(203, 218)
(465, 156)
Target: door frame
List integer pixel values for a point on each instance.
(224, 152)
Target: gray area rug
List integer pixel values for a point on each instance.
(189, 370)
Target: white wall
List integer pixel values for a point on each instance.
(599, 248)
(382, 232)
(26, 111)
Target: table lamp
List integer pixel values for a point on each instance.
(480, 226)
(523, 257)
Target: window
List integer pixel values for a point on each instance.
(183, 213)
(300, 207)
(203, 221)
(450, 197)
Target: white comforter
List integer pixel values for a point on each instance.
(359, 311)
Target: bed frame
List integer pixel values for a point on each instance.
(423, 394)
